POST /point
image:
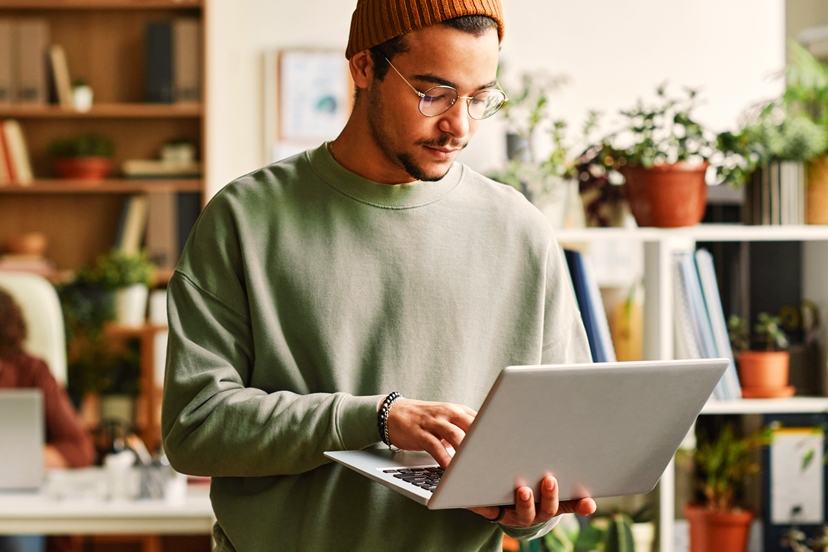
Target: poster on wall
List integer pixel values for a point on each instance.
(308, 97)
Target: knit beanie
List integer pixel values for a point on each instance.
(375, 21)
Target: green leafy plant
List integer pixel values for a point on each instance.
(806, 84)
(662, 132)
(117, 269)
(81, 145)
(609, 531)
(725, 463)
(767, 331)
(770, 132)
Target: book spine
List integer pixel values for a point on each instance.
(187, 60)
(18, 152)
(7, 92)
(31, 37)
(159, 62)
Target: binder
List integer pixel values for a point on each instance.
(159, 62)
(7, 91)
(186, 54)
(31, 40)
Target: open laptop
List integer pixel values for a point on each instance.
(605, 429)
(22, 435)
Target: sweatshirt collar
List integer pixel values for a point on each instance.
(388, 196)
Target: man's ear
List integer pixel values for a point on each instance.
(361, 66)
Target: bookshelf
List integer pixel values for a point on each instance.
(659, 244)
(104, 41)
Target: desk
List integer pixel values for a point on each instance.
(91, 513)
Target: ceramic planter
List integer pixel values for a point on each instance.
(666, 196)
(764, 374)
(719, 531)
(131, 305)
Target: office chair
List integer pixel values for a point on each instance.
(41, 308)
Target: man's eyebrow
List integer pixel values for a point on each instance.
(434, 79)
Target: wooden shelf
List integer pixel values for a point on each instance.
(105, 111)
(108, 186)
(100, 4)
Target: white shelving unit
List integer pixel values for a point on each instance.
(659, 246)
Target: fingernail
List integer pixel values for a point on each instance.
(524, 494)
(549, 484)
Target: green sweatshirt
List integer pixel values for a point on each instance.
(304, 295)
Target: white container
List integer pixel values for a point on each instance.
(131, 305)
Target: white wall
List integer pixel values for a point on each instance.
(612, 51)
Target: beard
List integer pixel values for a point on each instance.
(390, 149)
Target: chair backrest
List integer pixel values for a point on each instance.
(40, 304)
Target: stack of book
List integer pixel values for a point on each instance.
(15, 164)
(701, 330)
(173, 58)
(23, 45)
(775, 194)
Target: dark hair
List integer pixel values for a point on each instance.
(12, 327)
(475, 25)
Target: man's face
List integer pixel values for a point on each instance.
(414, 146)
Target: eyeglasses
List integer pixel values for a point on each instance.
(439, 99)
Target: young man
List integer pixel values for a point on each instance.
(314, 288)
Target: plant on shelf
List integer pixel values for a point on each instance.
(763, 372)
(769, 133)
(539, 147)
(129, 276)
(85, 156)
(725, 462)
(663, 153)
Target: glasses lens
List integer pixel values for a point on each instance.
(486, 104)
(437, 100)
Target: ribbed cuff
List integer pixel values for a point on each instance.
(358, 421)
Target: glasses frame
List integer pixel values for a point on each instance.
(457, 94)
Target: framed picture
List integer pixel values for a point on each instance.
(308, 97)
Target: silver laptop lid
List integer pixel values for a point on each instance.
(22, 435)
(603, 429)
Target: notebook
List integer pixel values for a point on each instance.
(604, 429)
(22, 435)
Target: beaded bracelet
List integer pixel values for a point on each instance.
(382, 418)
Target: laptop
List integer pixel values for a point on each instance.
(22, 435)
(604, 429)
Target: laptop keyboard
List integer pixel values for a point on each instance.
(425, 478)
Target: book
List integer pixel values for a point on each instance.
(7, 92)
(159, 62)
(60, 76)
(593, 314)
(186, 54)
(30, 42)
(713, 303)
(5, 158)
(18, 152)
(133, 224)
(162, 229)
(157, 168)
(698, 337)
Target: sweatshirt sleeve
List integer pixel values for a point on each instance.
(213, 422)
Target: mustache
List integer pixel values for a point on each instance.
(443, 141)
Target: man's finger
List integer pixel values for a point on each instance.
(582, 507)
(549, 496)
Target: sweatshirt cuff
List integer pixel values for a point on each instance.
(358, 421)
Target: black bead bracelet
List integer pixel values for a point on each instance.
(382, 418)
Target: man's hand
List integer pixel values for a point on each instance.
(429, 426)
(526, 513)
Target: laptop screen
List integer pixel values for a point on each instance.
(22, 435)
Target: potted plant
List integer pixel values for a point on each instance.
(129, 276)
(724, 463)
(610, 531)
(662, 153)
(85, 156)
(763, 373)
(540, 163)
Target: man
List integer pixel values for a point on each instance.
(312, 289)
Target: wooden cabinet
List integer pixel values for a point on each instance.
(104, 41)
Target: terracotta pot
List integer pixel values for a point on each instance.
(83, 168)
(763, 369)
(666, 196)
(719, 531)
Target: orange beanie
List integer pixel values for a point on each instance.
(375, 21)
